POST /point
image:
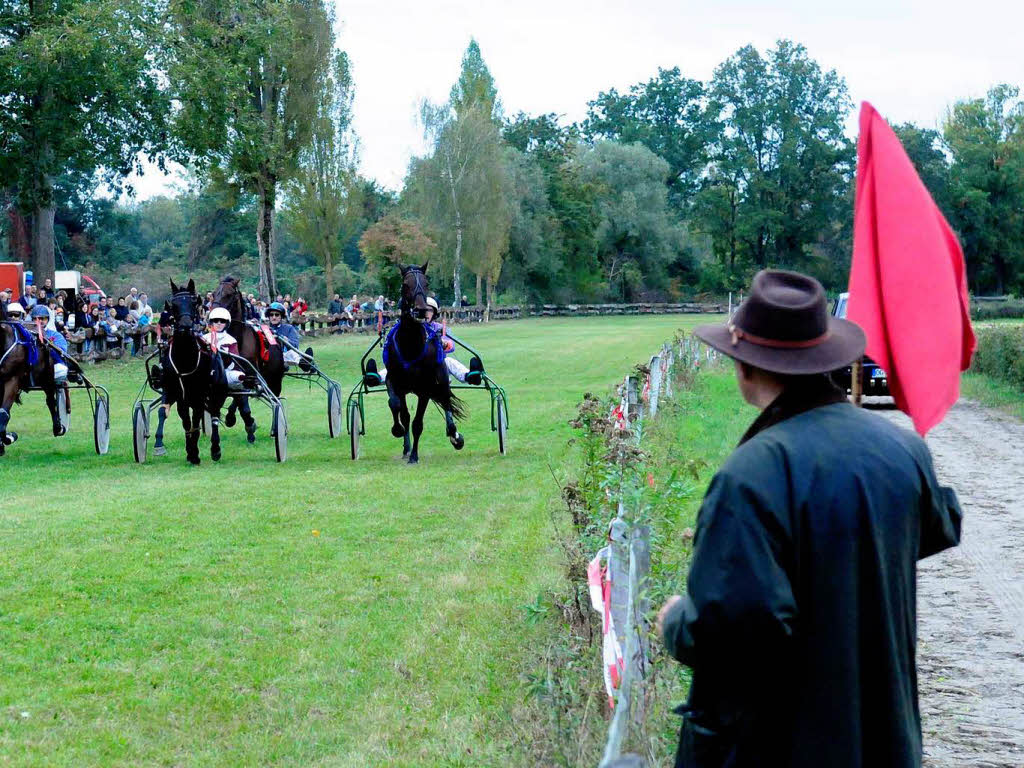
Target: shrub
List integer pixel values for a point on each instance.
(1000, 354)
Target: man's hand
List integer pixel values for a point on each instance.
(669, 604)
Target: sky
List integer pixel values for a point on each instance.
(909, 58)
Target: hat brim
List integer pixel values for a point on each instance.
(845, 343)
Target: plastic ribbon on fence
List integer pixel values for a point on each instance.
(619, 417)
(601, 599)
(646, 394)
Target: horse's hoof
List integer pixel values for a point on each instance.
(194, 462)
(250, 433)
(458, 441)
(159, 450)
(414, 460)
(229, 420)
(10, 438)
(397, 431)
(59, 430)
(215, 455)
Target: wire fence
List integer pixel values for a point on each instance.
(619, 590)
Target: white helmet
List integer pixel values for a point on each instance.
(432, 302)
(219, 314)
(14, 308)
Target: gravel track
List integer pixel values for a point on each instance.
(971, 598)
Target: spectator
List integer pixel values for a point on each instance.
(464, 302)
(803, 572)
(121, 311)
(81, 311)
(209, 301)
(133, 295)
(334, 306)
(92, 320)
(350, 312)
(29, 299)
(48, 286)
(366, 306)
(5, 299)
(144, 308)
(300, 307)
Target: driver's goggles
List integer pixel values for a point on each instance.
(274, 314)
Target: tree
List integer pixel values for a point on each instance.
(781, 163)
(666, 115)
(78, 93)
(391, 243)
(637, 235)
(462, 188)
(249, 77)
(322, 200)
(986, 139)
(925, 149)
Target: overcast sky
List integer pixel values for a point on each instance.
(911, 59)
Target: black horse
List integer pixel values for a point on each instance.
(415, 364)
(194, 376)
(267, 358)
(24, 362)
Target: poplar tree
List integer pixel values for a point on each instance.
(249, 76)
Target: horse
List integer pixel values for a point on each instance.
(415, 363)
(24, 363)
(194, 374)
(267, 358)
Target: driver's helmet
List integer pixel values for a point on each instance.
(219, 314)
(14, 308)
(276, 306)
(38, 311)
(432, 302)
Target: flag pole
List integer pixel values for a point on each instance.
(856, 370)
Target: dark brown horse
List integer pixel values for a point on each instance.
(17, 374)
(268, 358)
(415, 364)
(193, 374)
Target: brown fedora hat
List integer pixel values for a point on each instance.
(784, 327)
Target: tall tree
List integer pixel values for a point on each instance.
(781, 163)
(390, 243)
(665, 114)
(926, 150)
(248, 76)
(638, 235)
(78, 93)
(323, 203)
(475, 89)
(986, 139)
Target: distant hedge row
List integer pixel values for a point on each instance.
(994, 310)
(1000, 354)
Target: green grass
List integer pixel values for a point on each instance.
(317, 612)
(993, 393)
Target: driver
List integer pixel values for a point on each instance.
(220, 340)
(455, 366)
(288, 332)
(41, 317)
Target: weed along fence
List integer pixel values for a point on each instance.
(617, 576)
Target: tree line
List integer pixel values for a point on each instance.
(671, 188)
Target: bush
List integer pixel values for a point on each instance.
(995, 310)
(1000, 355)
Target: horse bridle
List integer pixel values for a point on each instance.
(420, 289)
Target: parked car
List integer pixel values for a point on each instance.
(874, 379)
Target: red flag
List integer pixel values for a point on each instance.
(908, 286)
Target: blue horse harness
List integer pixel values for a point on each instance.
(24, 338)
(390, 342)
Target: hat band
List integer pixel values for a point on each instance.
(761, 341)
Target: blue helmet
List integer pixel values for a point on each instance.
(40, 311)
(278, 306)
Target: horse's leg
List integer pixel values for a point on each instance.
(229, 417)
(161, 417)
(52, 393)
(454, 436)
(10, 392)
(215, 435)
(250, 422)
(417, 427)
(403, 414)
(395, 404)
(191, 432)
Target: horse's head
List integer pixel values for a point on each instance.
(414, 291)
(229, 297)
(184, 306)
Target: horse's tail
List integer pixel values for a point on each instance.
(448, 401)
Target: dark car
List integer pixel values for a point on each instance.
(874, 379)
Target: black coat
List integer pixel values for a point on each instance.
(800, 615)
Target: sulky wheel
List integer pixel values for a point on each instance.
(280, 429)
(101, 425)
(355, 426)
(502, 427)
(334, 410)
(140, 432)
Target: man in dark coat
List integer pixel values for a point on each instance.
(799, 618)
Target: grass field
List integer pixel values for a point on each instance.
(317, 612)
